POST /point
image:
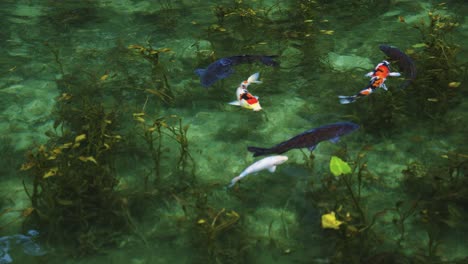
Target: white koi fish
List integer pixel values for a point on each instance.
(246, 99)
(268, 163)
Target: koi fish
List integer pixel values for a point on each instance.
(268, 163)
(309, 139)
(26, 241)
(404, 62)
(246, 99)
(378, 77)
(222, 68)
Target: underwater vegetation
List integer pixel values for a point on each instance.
(138, 154)
(75, 192)
(361, 236)
(435, 91)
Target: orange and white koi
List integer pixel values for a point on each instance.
(378, 77)
(246, 99)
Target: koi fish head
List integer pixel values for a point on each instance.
(252, 104)
(382, 69)
(280, 159)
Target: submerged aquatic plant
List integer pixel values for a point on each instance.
(434, 92)
(73, 176)
(153, 134)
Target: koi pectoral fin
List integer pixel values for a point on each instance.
(347, 99)
(272, 169)
(394, 74)
(235, 103)
(200, 72)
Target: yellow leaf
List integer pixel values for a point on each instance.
(139, 119)
(138, 47)
(85, 159)
(52, 157)
(76, 145)
(164, 50)
(51, 172)
(327, 32)
(80, 138)
(138, 114)
(107, 121)
(419, 45)
(42, 148)
(27, 166)
(57, 151)
(67, 145)
(330, 221)
(104, 77)
(201, 221)
(454, 84)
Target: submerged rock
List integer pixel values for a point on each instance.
(344, 63)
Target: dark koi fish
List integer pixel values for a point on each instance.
(404, 62)
(222, 68)
(309, 139)
(378, 77)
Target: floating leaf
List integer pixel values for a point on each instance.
(330, 221)
(51, 172)
(338, 166)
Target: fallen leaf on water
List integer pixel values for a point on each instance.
(330, 221)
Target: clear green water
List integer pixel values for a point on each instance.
(69, 68)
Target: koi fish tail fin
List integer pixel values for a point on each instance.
(233, 181)
(347, 99)
(259, 151)
(253, 78)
